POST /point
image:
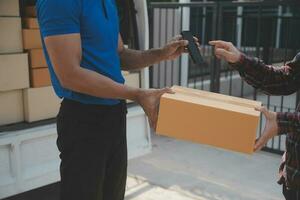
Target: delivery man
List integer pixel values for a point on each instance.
(84, 52)
(284, 80)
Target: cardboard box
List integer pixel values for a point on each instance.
(14, 72)
(40, 77)
(37, 58)
(209, 118)
(10, 35)
(32, 39)
(30, 23)
(40, 104)
(125, 73)
(9, 8)
(132, 80)
(11, 107)
(30, 11)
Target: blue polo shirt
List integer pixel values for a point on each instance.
(98, 25)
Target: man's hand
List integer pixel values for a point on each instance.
(135, 59)
(226, 50)
(175, 48)
(149, 100)
(270, 130)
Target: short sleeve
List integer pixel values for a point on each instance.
(57, 17)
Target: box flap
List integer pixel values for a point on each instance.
(211, 99)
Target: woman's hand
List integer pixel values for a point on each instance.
(226, 50)
(270, 130)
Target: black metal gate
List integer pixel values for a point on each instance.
(268, 30)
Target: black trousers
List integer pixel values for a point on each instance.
(93, 151)
(290, 194)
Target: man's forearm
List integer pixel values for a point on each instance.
(134, 59)
(91, 83)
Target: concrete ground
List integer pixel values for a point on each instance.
(178, 170)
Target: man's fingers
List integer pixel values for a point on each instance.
(153, 112)
(180, 43)
(180, 50)
(177, 37)
(166, 90)
(153, 117)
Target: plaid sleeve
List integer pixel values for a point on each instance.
(271, 80)
(288, 123)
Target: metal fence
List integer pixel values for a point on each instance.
(268, 30)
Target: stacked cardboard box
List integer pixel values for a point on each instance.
(13, 64)
(40, 101)
(13, 72)
(25, 87)
(11, 106)
(10, 35)
(9, 8)
(39, 74)
(131, 79)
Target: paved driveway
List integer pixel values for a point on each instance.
(178, 170)
(183, 170)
